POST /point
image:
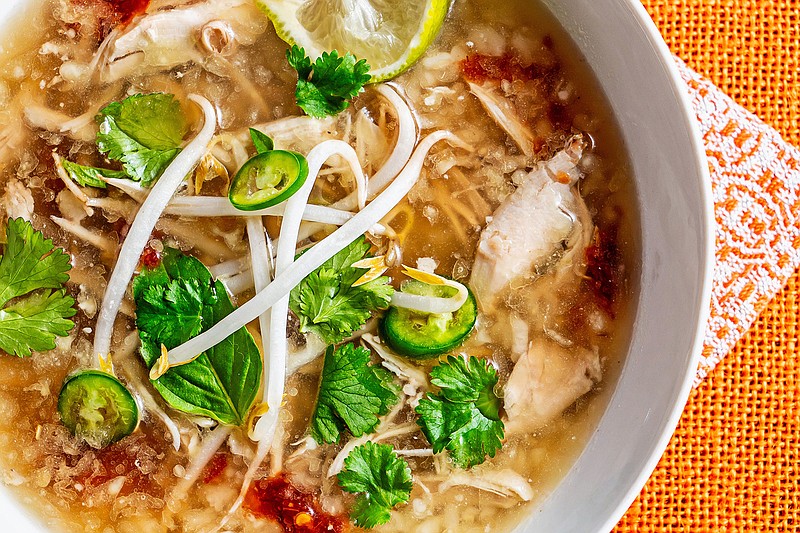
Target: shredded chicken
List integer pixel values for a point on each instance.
(386, 430)
(17, 200)
(125, 355)
(12, 136)
(313, 348)
(505, 482)
(531, 227)
(71, 207)
(416, 381)
(297, 133)
(545, 381)
(103, 244)
(502, 111)
(165, 39)
(80, 128)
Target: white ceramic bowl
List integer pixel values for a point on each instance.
(636, 71)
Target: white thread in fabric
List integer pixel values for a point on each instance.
(756, 191)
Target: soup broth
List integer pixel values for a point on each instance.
(577, 303)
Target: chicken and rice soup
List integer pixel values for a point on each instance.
(370, 269)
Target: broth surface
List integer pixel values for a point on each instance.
(131, 486)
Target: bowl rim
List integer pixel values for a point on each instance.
(688, 116)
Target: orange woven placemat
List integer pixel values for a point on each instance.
(734, 461)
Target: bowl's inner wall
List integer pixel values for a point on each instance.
(634, 68)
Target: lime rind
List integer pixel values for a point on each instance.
(283, 15)
(429, 29)
(280, 14)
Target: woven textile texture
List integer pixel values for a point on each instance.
(755, 179)
(734, 461)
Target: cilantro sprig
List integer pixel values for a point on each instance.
(381, 479)
(352, 394)
(143, 132)
(325, 86)
(32, 277)
(90, 176)
(464, 417)
(326, 301)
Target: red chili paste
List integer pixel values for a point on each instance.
(277, 499)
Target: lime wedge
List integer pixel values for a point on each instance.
(391, 35)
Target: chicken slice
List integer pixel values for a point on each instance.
(504, 482)
(532, 226)
(17, 200)
(545, 381)
(164, 39)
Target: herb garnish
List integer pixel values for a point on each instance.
(464, 417)
(143, 132)
(177, 301)
(90, 176)
(381, 479)
(326, 301)
(325, 87)
(261, 141)
(29, 268)
(352, 394)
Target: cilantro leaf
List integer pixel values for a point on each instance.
(143, 132)
(175, 302)
(33, 322)
(30, 262)
(464, 417)
(352, 393)
(296, 56)
(325, 87)
(381, 479)
(29, 266)
(261, 141)
(173, 311)
(326, 301)
(90, 176)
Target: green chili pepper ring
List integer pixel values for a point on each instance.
(97, 407)
(268, 179)
(425, 335)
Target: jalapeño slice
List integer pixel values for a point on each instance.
(425, 335)
(97, 407)
(268, 179)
